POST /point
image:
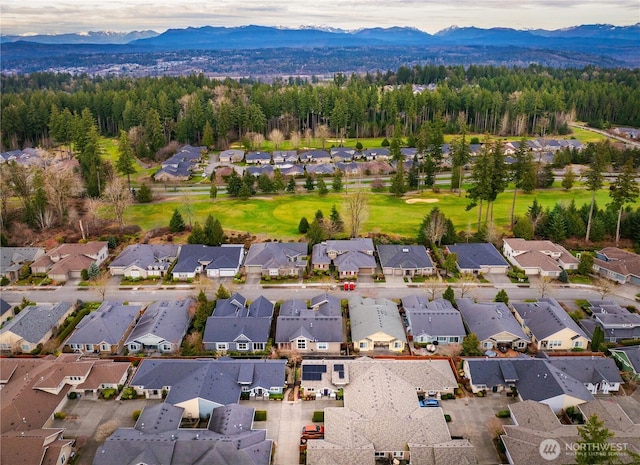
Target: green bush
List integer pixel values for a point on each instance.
(59, 415)
(72, 395)
(318, 416)
(276, 396)
(447, 418)
(629, 342)
(503, 414)
(129, 393)
(108, 393)
(136, 414)
(480, 394)
(260, 415)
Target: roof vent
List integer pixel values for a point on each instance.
(405, 249)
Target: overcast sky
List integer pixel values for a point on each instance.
(38, 16)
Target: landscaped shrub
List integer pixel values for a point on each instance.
(129, 393)
(72, 395)
(59, 415)
(503, 414)
(136, 414)
(260, 415)
(447, 417)
(318, 416)
(276, 396)
(108, 393)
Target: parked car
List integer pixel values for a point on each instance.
(502, 348)
(490, 353)
(429, 403)
(312, 432)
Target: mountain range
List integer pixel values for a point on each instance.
(251, 37)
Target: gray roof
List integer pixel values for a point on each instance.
(209, 257)
(352, 254)
(12, 258)
(314, 154)
(107, 324)
(404, 256)
(610, 315)
(156, 439)
(238, 323)
(321, 323)
(145, 256)
(370, 316)
(165, 319)
(324, 168)
(214, 380)
(34, 321)
(276, 254)
(487, 319)
(258, 156)
(546, 317)
(475, 256)
(536, 379)
(437, 319)
(592, 370)
(4, 306)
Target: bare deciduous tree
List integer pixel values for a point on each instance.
(467, 281)
(308, 134)
(295, 139)
(436, 227)
(101, 284)
(322, 133)
(544, 286)
(431, 284)
(257, 140)
(604, 287)
(357, 209)
(60, 186)
(117, 197)
(277, 137)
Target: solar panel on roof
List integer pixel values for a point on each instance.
(306, 376)
(341, 374)
(315, 368)
(339, 367)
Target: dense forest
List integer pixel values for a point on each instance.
(38, 109)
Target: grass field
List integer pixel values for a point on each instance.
(277, 217)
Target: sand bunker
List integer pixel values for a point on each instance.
(422, 201)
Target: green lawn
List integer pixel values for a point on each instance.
(277, 217)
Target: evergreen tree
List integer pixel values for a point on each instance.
(398, 185)
(197, 235)
(449, 295)
(523, 228)
(265, 184)
(623, 191)
(502, 296)
(303, 226)
(315, 234)
(337, 224)
(322, 187)
(471, 346)
(278, 181)
(245, 192)
(291, 185)
(568, 178)
(234, 184)
(597, 339)
(593, 445)
(585, 266)
(144, 194)
(213, 192)
(213, 232)
(176, 224)
(336, 185)
(309, 184)
(222, 293)
(208, 139)
(594, 181)
(319, 216)
(126, 161)
(93, 271)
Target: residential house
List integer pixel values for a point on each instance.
(14, 259)
(350, 168)
(342, 154)
(6, 311)
(238, 328)
(618, 265)
(156, 438)
(536, 426)
(314, 329)
(629, 359)
(493, 324)
(434, 322)
(479, 258)
(196, 259)
(291, 170)
(170, 173)
(315, 156)
(284, 156)
(549, 326)
(542, 258)
(200, 386)
(276, 259)
(350, 257)
(531, 378)
(105, 330)
(144, 260)
(600, 375)
(376, 325)
(381, 418)
(631, 133)
(409, 152)
(68, 260)
(321, 169)
(257, 170)
(380, 153)
(36, 447)
(34, 325)
(615, 321)
(161, 327)
(34, 388)
(405, 260)
(181, 165)
(258, 158)
(231, 156)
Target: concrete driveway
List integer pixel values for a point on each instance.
(473, 418)
(284, 424)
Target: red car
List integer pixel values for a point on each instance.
(312, 432)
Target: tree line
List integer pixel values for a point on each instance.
(36, 109)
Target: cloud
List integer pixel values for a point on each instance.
(429, 15)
